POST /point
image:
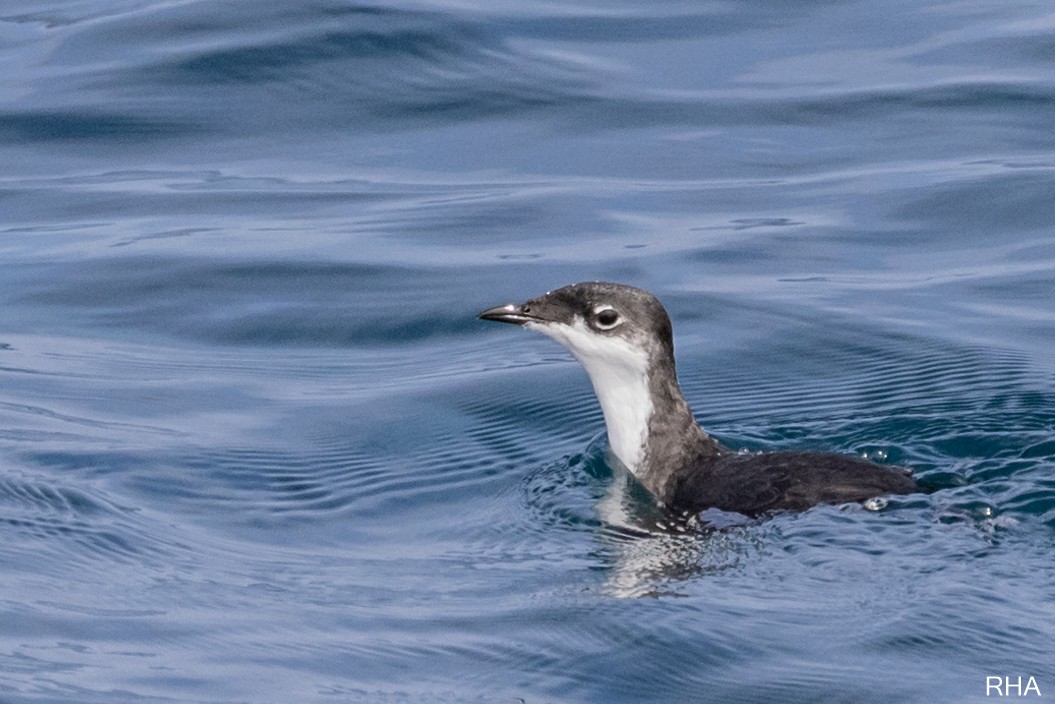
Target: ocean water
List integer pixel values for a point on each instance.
(256, 447)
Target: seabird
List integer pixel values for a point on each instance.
(623, 337)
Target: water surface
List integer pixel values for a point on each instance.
(255, 446)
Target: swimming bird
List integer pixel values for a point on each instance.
(623, 337)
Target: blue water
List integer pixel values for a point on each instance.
(255, 446)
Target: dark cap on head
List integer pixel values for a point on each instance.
(607, 308)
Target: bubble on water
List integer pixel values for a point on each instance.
(876, 503)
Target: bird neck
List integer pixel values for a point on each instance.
(626, 402)
(651, 429)
(675, 441)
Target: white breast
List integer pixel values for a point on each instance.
(619, 372)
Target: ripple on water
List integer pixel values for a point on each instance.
(65, 526)
(372, 65)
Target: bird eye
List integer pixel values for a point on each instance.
(606, 318)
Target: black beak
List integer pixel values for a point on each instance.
(510, 313)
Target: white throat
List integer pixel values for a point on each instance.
(618, 370)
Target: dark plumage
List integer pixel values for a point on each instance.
(623, 336)
(794, 481)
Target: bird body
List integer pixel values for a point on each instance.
(623, 338)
